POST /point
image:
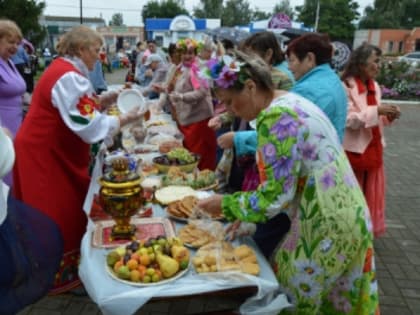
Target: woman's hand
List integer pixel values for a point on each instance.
(175, 97)
(225, 141)
(390, 111)
(215, 123)
(211, 205)
(158, 88)
(130, 116)
(108, 99)
(239, 228)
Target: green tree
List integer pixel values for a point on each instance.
(236, 12)
(284, 7)
(211, 9)
(336, 17)
(116, 20)
(163, 9)
(391, 14)
(260, 15)
(26, 14)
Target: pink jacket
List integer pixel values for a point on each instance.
(361, 118)
(196, 105)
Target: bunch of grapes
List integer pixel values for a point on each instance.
(182, 155)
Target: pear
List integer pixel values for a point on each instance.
(168, 266)
(112, 258)
(123, 272)
(120, 250)
(180, 253)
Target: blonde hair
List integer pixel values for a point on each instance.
(10, 29)
(78, 37)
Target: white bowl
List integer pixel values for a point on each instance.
(130, 99)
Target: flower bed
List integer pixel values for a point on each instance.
(399, 80)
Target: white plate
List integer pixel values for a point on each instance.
(179, 274)
(130, 99)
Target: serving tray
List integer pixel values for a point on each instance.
(146, 228)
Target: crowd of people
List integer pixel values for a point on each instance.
(302, 152)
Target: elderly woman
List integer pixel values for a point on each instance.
(12, 85)
(192, 106)
(309, 60)
(53, 144)
(363, 138)
(325, 262)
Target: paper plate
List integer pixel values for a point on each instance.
(130, 99)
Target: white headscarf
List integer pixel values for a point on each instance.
(7, 158)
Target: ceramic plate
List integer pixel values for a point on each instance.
(142, 284)
(130, 99)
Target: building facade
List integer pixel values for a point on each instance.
(121, 37)
(58, 25)
(390, 41)
(116, 37)
(165, 31)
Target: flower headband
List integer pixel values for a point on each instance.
(226, 73)
(187, 44)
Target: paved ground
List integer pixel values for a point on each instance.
(398, 252)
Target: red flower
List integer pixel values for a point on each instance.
(87, 105)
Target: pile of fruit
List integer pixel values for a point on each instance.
(151, 261)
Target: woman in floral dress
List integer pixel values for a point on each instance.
(325, 263)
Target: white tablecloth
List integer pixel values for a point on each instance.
(116, 298)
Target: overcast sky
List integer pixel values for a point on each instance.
(131, 9)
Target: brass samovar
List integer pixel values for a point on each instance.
(121, 196)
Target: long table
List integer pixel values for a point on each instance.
(115, 298)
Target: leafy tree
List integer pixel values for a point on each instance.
(116, 20)
(211, 9)
(391, 14)
(26, 14)
(236, 12)
(284, 7)
(163, 9)
(260, 15)
(336, 17)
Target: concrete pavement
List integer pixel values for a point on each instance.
(397, 252)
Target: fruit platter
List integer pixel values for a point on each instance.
(180, 157)
(144, 263)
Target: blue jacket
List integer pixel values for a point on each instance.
(96, 77)
(323, 87)
(20, 56)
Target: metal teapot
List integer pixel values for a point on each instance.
(121, 196)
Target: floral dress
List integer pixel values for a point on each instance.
(325, 264)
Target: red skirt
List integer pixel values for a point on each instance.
(201, 140)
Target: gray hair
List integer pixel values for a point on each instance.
(358, 58)
(78, 37)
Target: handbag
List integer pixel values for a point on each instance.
(371, 158)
